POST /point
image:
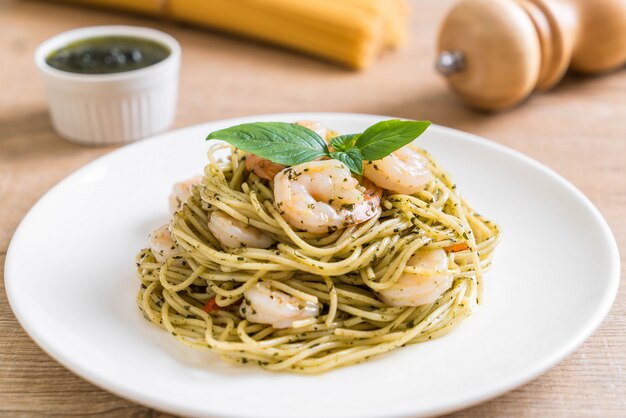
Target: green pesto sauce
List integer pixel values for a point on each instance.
(107, 55)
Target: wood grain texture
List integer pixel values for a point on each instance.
(578, 129)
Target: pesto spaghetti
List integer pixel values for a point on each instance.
(259, 264)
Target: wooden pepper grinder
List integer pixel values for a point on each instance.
(494, 53)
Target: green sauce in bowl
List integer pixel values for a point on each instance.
(108, 55)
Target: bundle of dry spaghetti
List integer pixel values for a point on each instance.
(351, 32)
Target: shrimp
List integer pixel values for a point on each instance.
(266, 169)
(322, 196)
(316, 127)
(162, 244)
(262, 167)
(403, 171)
(234, 234)
(415, 289)
(181, 192)
(266, 306)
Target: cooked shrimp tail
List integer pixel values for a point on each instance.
(162, 244)
(322, 196)
(264, 305)
(403, 171)
(415, 289)
(232, 233)
(181, 192)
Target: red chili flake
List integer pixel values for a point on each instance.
(456, 247)
(211, 306)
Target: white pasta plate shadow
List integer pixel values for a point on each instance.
(70, 280)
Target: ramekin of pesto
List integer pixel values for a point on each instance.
(108, 54)
(110, 84)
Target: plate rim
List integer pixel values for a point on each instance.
(574, 342)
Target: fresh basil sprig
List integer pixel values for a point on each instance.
(279, 142)
(291, 144)
(351, 157)
(383, 138)
(343, 142)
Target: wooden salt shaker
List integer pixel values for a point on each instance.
(495, 53)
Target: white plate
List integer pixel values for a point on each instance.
(70, 280)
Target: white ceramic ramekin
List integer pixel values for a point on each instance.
(118, 108)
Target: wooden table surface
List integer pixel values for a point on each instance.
(579, 130)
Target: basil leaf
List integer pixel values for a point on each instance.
(383, 138)
(343, 142)
(351, 157)
(279, 142)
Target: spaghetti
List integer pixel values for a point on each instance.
(198, 293)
